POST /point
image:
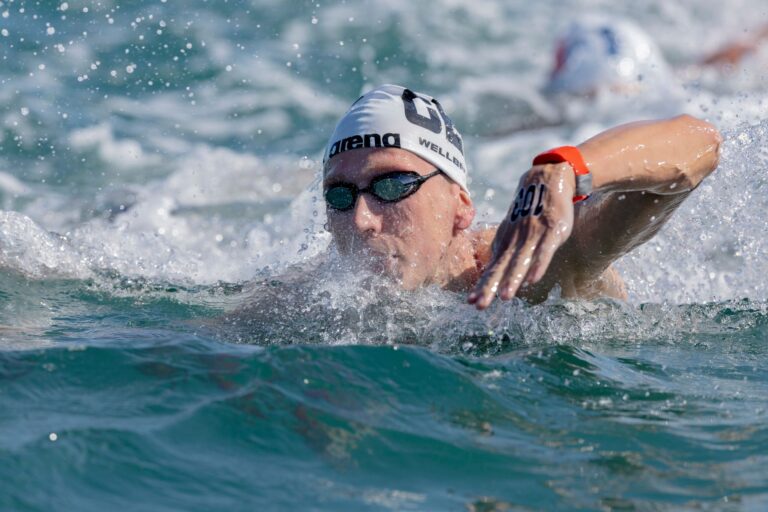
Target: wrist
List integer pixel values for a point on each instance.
(559, 177)
(567, 177)
(571, 158)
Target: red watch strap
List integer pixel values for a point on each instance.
(570, 154)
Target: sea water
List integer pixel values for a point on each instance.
(159, 184)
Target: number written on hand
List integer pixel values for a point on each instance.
(526, 198)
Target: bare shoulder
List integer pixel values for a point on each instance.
(482, 241)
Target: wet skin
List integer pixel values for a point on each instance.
(420, 240)
(641, 173)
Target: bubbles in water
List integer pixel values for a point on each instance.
(226, 172)
(713, 247)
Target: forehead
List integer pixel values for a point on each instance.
(365, 163)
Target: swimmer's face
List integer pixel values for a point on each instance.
(408, 239)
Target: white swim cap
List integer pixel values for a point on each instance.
(600, 51)
(393, 116)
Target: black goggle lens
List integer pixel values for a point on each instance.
(388, 188)
(340, 197)
(393, 188)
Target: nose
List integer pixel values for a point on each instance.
(366, 220)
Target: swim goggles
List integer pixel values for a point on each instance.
(388, 188)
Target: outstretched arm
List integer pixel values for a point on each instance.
(641, 173)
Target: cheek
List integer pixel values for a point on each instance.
(334, 221)
(434, 221)
(397, 219)
(340, 227)
(430, 231)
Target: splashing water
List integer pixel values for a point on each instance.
(173, 338)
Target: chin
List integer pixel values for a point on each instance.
(409, 284)
(379, 263)
(392, 267)
(408, 279)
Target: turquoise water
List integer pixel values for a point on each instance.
(133, 407)
(159, 351)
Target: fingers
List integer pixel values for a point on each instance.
(546, 252)
(497, 275)
(486, 287)
(517, 272)
(516, 267)
(523, 248)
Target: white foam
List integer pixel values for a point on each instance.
(714, 247)
(219, 188)
(30, 250)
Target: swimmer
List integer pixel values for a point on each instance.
(604, 66)
(396, 194)
(598, 53)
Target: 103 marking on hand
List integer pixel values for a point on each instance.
(525, 200)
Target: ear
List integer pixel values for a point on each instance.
(465, 210)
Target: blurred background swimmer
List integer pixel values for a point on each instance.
(599, 53)
(602, 60)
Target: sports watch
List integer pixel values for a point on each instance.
(572, 156)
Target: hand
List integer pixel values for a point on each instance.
(539, 221)
(730, 55)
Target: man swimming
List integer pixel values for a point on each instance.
(395, 186)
